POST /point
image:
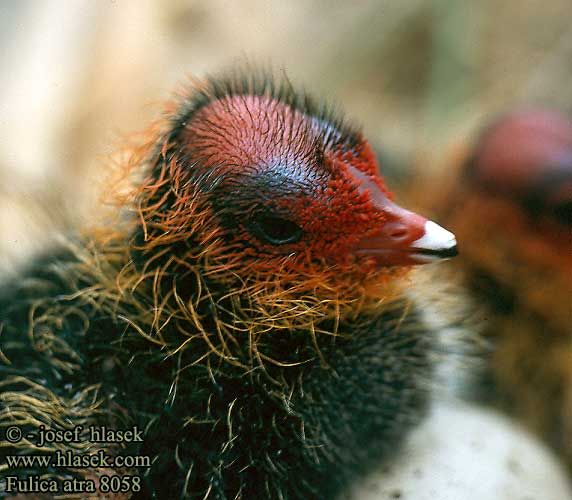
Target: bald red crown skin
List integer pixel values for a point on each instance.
(276, 163)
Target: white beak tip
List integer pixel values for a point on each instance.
(436, 242)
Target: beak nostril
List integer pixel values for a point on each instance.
(398, 234)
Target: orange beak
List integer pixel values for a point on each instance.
(405, 238)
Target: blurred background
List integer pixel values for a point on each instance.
(419, 75)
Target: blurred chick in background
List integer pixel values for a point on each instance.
(510, 204)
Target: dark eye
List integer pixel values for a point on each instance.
(275, 230)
